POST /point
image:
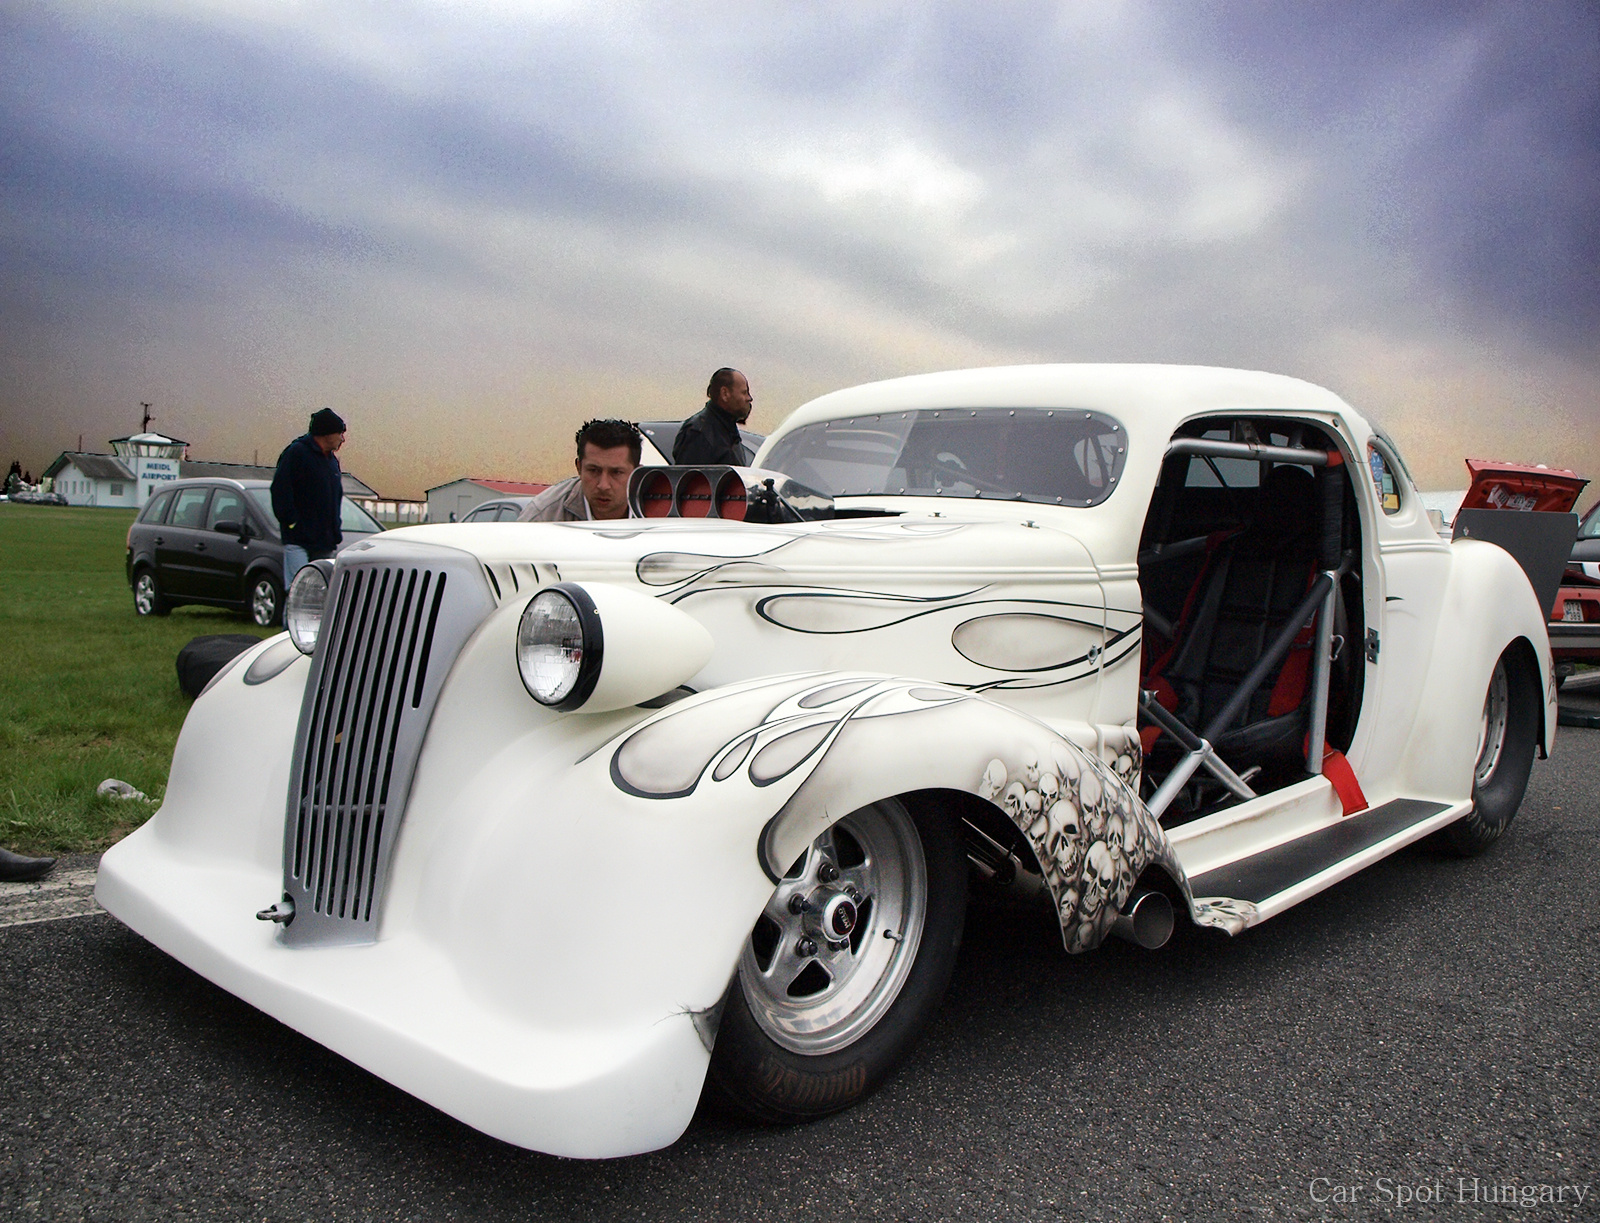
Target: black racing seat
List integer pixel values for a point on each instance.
(1250, 586)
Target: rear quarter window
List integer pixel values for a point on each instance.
(156, 510)
(1385, 481)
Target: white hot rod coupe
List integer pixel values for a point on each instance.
(556, 825)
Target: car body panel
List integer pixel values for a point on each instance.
(568, 893)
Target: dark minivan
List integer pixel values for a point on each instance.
(216, 541)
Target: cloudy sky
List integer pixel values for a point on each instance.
(468, 226)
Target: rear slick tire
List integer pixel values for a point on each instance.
(811, 1029)
(1507, 740)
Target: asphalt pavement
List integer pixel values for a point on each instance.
(1418, 1042)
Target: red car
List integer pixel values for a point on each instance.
(1575, 619)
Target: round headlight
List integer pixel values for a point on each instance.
(302, 610)
(559, 646)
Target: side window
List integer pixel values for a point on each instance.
(226, 506)
(189, 510)
(508, 513)
(1383, 480)
(156, 511)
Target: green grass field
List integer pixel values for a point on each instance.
(88, 689)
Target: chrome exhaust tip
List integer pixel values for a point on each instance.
(1147, 922)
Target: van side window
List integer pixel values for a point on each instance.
(190, 510)
(226, 506)
(156, 511)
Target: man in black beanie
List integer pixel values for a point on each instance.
(306, 491)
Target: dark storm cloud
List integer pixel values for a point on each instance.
(1468, 135)
(131, 151)
(1463, 139)
(438, 197)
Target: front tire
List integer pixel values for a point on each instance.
(148, 600)
(1506, 743)
(817, 1017)
(266, 600)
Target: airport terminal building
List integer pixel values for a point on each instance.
(144, 462)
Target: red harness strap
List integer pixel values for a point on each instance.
(1343, 779)
(1152, 678)
(1289, 689)
(1167, 698)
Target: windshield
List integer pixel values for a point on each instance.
(1591, 525)
(1060, 455)
(352, 518)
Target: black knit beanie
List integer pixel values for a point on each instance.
(325, 421)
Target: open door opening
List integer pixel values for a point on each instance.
(1249, 566)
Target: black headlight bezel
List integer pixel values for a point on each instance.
(593, 645)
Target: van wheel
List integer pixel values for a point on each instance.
(266, 600)
(845, 966)
(147, 597)
(1506, 743)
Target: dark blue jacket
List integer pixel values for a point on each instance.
(306, 491)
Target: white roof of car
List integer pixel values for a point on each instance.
(1156, 397)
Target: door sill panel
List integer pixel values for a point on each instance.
(1255, 825)
(1271, 880)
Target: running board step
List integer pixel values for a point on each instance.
(1266, 874)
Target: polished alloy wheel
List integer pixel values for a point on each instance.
(1492, 735)
(264, 602)
(840, 935)
(145, 595)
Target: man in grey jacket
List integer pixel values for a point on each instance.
(608, 451)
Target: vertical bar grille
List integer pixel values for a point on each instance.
(383, 635)
(390, 629)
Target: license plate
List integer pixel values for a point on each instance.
(1573, 610)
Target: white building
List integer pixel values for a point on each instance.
(153, 458)
(454, 501)
(93, 479)
(145, 462)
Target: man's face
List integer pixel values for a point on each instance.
(735, 398)
(604, 477)
(329, 442)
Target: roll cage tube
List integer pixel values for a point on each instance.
(1199, 752)
(1218, 449)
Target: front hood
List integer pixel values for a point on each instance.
(666, 553)
(1012, 608)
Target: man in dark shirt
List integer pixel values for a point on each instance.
(307, 489)
(711, 435)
